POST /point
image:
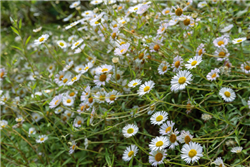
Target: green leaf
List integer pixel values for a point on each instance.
(28, 39)
(20, 23)
(131, 162)
(88, 121)
(15, 30)
(17, 48)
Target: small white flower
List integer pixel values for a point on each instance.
(59, 110)
(191, 152)
(221, 41)
(129, 152)
(41, 39)
(245, 67)
(206, 117)
(142, 9)
(177, 63)
(202, 4)
(227, 28)
(55, 101)
(163, 67)
(37, 30)
(74, 79)
(239, 40)
(218, 162)
(102, 79)
(181, 80)
(213, 75)
(122, 49)
(159, 117)
(74, 4)
(185, 137)
(222, 53)
(130, 130)
(159, 143)
(41, 139)
(193, 62)
(227, 94)
(200, 50)
(73, 147)
(173, 138)
(19, 119)
(112, 96)
(76, 44)
(36, 117)
(96, 2)
(134, 83)
(236, 149)
(62, 44)
(68, 101)
(3, 124)
(145, 88)
(32, 131)
(103, 69)
(157, 157)
(78, 122)
(166, 128)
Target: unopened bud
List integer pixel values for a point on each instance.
(115, 60)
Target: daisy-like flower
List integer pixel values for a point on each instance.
(142, 9)
(227, 28)
(191, 152)
(173, 138)
(3, 124)
(177, 63)
(221, 41)
(122, 49)
(202, 4)
(157, 157)
(74, 4)
(73, 147)
(41, 139)
(200, 50)
(64, 117)
(206, 117)
(69, 113)
(103, 69)
(38, 29)
(222, 53)
(76, 44)
(19, 119)
(62, 44)
(145, 88)
(186, 22)
(36, 117)
(167, 11)
(166, 128)
(59, 110)
(134, 83)
(218, 162)
(32, 131)
(163, 67)
(86, 93)
(129, 152)
(100, 96)
(96, 2)
(68, 101)
(87, 67)
(87, 13)
(74, 79)
(213, 75)
(227, 94)
(185, 137)
(159, 143)
(41, 39)
(245, 67)
(55, 101)
(101, 79)
(2, 73)
(193, 62)
(130, 130)
(72, 93)
(181, 80)
(189, 106)
(159, 117)
(239, 40)
(112, 96)
(178, 10)
(50, 68)
(236, 150)
(151, 109)
(78, 121)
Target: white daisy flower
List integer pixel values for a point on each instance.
(50, 68)
(3, 124)
(145, 88)
(59, 110)
(206, 117)
(221, 41)
(191, 152)
(218, 162)
(101, 79)
(129, 152)
(74, 4)
(167, 11)
(36, 117)
(41, 139)
(72, 24)
(202, 4)
(19, 119)
(227, 28)
(86, 143)
(73, 147)
(76, 44)
(173, 138)
(222, 53)
(151, 109)
(236, 150)
(166, 128)
(227, 94)
(100, 96)
(134, 83)
(37, 29)
(185, 137)
(66, 78)
(159, 143)
(112, 96)
(2, 73)
(69, 113)
(86, 93)
(87, 13)
(163, 67)
(87, 67)
(64, 117)
(68, 18)
(41, 39)
(142, 9)
(159, 117)
(122, 49)
(186, 22)
(245, 67)
(157, 157)
(239, 40)
(193, 62)
(62, 44)
(213, 75)
(82, 108)
(78, 121)
(130, 130)
(68, 101)
(181, 80)
(32, 131)
(103, 69)
(55, 101)
(96, 2)
(200, 50)
(177, 63)
(74, 79)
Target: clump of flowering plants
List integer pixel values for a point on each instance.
(138, 83)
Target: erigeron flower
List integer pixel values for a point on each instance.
(100, 96)
(69, 113)
(221, 41)
(236, 150)
(72, 93)
(167, 11)
(73, 147)
(134, 83)
(59, 110)
(112, 96)
(186, 22)
(103, 69)
(166, 128)
(130, 130)
(122, 49)
(181, 80)
(101, 79)
(177, 63)
(227, 94)
(185, 137)
(222, 53)
(19, 119)
(202, 4)
(68, 18)
(193, 62)
(32, 131)
(75, 4)
(74, 79)
(159, 143)
(68, 101)
(213, 75)
(206, 117)
(200, 50)
(239, 40)
(96, 2)
(62, 44)
(50, 68)
(37, 29)
(78, 121)
(2, 73)
(87, 13)
(245, 67)
(83, 107)
(218, 162)
(55, 101)
(179, 11)
(130, 152)
(159, 117)
(145, 88)
(157, 157)
(227, 28)
(163, 67)
(72, 25)
(65, 79)
(189, 106)
(36, 117)
(142, 9)
(64, 117)
(173, 139)
(191, 152)
(86, 93)
(76, 44)
(151, 109)
(3, 124)
(41, 39)
(117, 75)
(41, 139)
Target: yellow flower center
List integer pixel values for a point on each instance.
(42, 139)
(102, 77)
(222, 54)
(68, 101)
(177, 64)
(55, 103)
(167, 11)
(123, 22)
(164, 68)
(200, 52)
(130, 153)
(227, 94)
(69, 114)
(178, 11)
(186, 22)
(112, 97)
(61, 44)
(194, 63)
(104, 70)
(96, 22)
(72, 94)
(82, 107)
(158, 157)
(41, 39)
(156, 47)
(239, 40)
(77, 43)
(220, 43)
(50, 67)
(90, 100)
(247, 67)
(31, 131)
(130, 130)
(214, 75)
(146, 88)
(172, 138)
(86, 68)
(122, 50)
(187, 139)
(141, 55)
(159, 144)
(1, 74)
(159, 118)
(120, 7)
(134, 84)
(163, 28)
(168, 129)
(73, 79)
(192, 153)
(135, 8)
(182, 80)
(73, 147)
(60, 77)
(79, 122)
(87, 13)
(65, 80)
